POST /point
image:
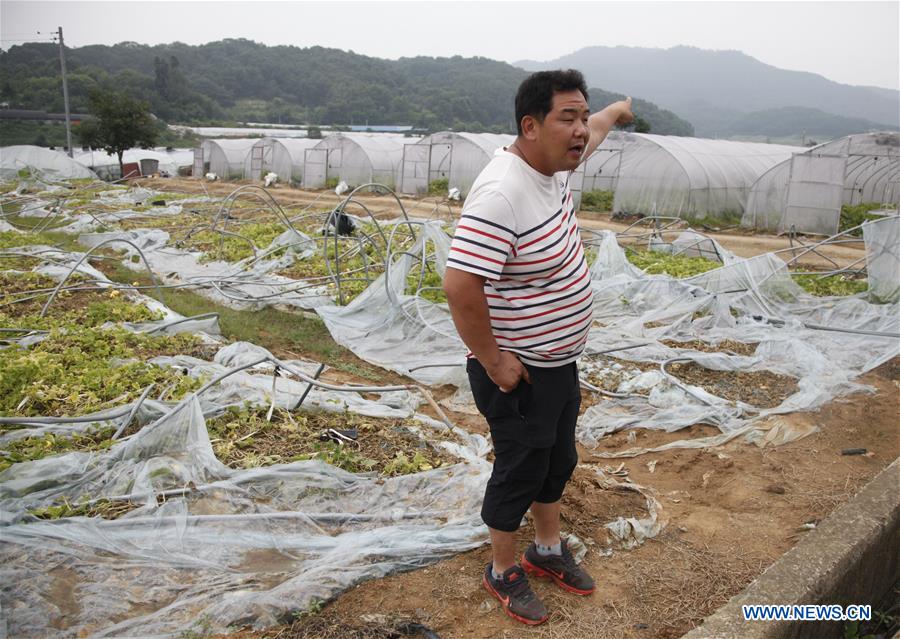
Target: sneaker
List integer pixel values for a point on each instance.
(560, 568)
(515, 595)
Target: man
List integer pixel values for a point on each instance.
(519, 292)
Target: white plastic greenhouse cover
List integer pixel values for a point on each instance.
(679, 176)
(283, 156)
(106, 164)
(601, 170)
(456, 156)
(806, 192)
(225, 158)
(53, 163)
(358, 158)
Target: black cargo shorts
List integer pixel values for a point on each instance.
(533, 432)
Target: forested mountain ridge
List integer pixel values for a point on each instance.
(238, 79)
(714, 90)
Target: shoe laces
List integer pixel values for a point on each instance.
(520, 588)
(568, 559)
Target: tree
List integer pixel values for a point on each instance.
(119, 122)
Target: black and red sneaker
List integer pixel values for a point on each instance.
(562, 569)
(516, 596)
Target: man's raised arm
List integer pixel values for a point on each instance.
(602, 122)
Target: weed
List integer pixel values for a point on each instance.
(678, 266)
(440, 186)
(598, 201)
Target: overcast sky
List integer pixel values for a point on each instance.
(848, 42)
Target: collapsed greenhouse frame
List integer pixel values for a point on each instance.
(52, 163)
(805, 193)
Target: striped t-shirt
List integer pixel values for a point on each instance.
(518, 230)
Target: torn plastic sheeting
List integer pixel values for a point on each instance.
(145, 239)
(86, 222)
(221, 282)
(776, 431)
(630, 532)
(58, 263)
(632, 306)
(698, 442)
(630, 412)
(882, 238)
(210, 565)
(397, 331)
(256, 389)
(692, 244)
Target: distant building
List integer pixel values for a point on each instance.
(43, 116)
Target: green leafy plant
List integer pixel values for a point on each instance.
(679, 266)
(440, 186)
(855, 215)
(833, 285)
(74, 372)
(219, 246)
(598, 201)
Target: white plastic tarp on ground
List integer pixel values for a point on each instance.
(749, 301)
(208, 546)
(52, 164)
(237, 547)
(403, 332)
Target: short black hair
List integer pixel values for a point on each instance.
(535, 94)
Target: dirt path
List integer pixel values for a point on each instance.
(324, 199)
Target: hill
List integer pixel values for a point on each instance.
(240, 80)
(714, 89)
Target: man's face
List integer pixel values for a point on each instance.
(564, 133)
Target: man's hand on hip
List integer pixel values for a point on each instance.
(507, 371)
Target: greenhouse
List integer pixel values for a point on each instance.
(52, 163)
(106, 165)
(354, 158)
(225, 157)
(804, 193)
(601, 170)
(687, 177)
(448, 155)
(282, 156)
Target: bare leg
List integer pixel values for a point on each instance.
(503, 546)
(546, 523)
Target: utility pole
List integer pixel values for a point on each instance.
(62, 64)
